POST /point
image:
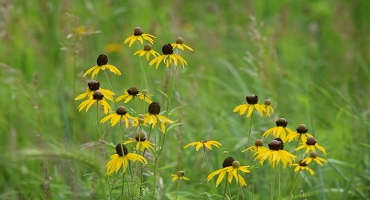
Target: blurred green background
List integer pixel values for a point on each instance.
(311, 58)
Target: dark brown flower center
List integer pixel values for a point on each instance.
(313, 155)
(147, 47)
(167, 49)
(258, 142)
(93, 85)
(204, 141)
(121, 110)
(302, 164)
(141, 137)
(276, 144)
(281, 122)
(301, 129)
(267, 102)
(121, 149)
(180, 173)
(102, 60)
(251, 99)
(138, 31)
(179, 40)
(236, 164)
(311, 141)
(133, 91)
(228, 162)
(98, 96)
(154, 108)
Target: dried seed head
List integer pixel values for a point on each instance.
(228, 162)
(251, 99)
(302, 129)
(147, 47)
(154, 108)
(98, 95)
(267, 102)
(281, 122)
(102, 60)
(93, 85)
(167, 49)
(180, 40)
(258, 142)
(276, 144)
(121, 149)
(138, 31)
(236, 164)
(313, 155)
(302, 164)
(133, 91)
(180, 173)
(140, 137)
(311, 141)
(121, 110)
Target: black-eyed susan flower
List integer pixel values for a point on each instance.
(168, 57)
(147, 51)
(113, 47)
(97, 98)
(121, 159)
(121, 114)
(142, 143)
(252, 103)
(93, 86)
(102, 64)
(302, 166)
(301, 133)
(313, 157)
(132, 93)
(280, 130)
(180, 175)
(139, 36)
(257, 148)
(153, 117)
(179, 44)
(231, 169)
(310, 144)
(267, 108)
(205, 144)
(276, 154)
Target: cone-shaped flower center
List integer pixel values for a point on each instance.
(121, 110)
(93, 85)
(311, 141)
(228, 162)
(154, 108)
(180, 173)
(102, 60)
(179, 40)
(258, 142)
(302, 164)
(302, 129)
(281, 122)
(236, 164)
(267, 102)
(98, 96)
(141, 137)
(132, 91)
(138, 31)
(251, 99)
(147, 47)
(121, 149)
(276, 144)
(167, 49)
(313, 155)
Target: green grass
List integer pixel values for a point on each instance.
(311, 58)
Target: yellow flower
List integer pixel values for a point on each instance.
(179, 176)
(93, 86)
(280, 130)
(302, 166)
(310, 144)
(313, 157)
(102, 64)
(121, 159)
(133, 92)
(168, 57)
(113, 47)
(267, 108)
(142, 143)
(257, 148)
(205, 144)
(231, 168)
(98, 98)
(147, 52)
(139, 36)
(121, 115)
(276, 154)
(301, 133)
(153, 117)
(180, 45)
(252, 103)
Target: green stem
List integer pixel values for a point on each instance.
(123, 184)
